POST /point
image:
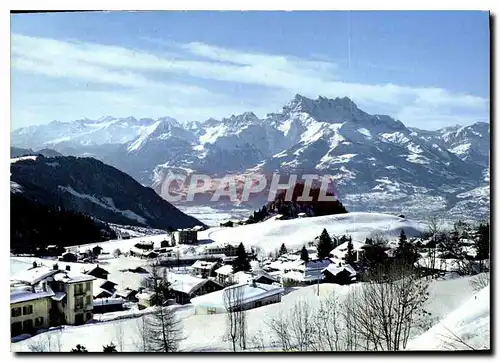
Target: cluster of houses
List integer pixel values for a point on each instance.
(49, 296)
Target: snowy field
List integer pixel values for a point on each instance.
(214, 217)
(270, 234)
(451, 305)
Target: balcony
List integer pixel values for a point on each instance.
(79, 292)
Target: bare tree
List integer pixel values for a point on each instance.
(480, 281)
(119, 334)
(387, 307)
(377, 237)
(301, 326)
(235, 316)
(329, 326)
(49, 341)
(280, 330)
(435, 227)
(294, 331)
(454, 342)
(142, 344)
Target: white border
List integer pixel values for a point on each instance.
(185, 5)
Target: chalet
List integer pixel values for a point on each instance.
(303, 273)
(146, 299)
(187, 287)
(69, 257)
(103, 288)
(338, 254)
(69, 298)
(106, 305)
(250, 295)
(96, 271)
(128, 294)
(204, 269)
(342, 275)
(241, 277)
(223, 273)
(145, 245)
(150, 254)
(96, 250)
(264, 278)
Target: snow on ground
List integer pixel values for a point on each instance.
(213, 217)
(466, 328)
(270, 234)
(115, 266)
(14, 160)
(205, 332)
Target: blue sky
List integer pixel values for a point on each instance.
(428, 69)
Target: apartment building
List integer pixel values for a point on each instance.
(43, 297)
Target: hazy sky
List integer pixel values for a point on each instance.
(428, 69)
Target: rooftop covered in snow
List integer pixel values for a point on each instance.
(250, 293)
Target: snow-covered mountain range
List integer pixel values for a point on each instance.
(376, 162)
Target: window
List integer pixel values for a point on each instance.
(79, 303)
(16, 328)
(87, 286)
(28, 309)
(27, 325)
(15, 312)
(78, 288)
(39, 322)
(211, 310)
(88, 300)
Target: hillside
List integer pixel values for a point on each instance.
(34, 225)
(91, 187)
(270, 234)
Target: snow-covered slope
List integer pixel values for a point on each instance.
(376, 162)
(270, 234)
(466, 328)
(205, 333)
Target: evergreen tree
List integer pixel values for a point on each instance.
(283, 250)
(241, 263)
(109, 348)
(325, 245)
(304, 254)
(405, 252)
(350, 256)
(482, 243)
(79, 348)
